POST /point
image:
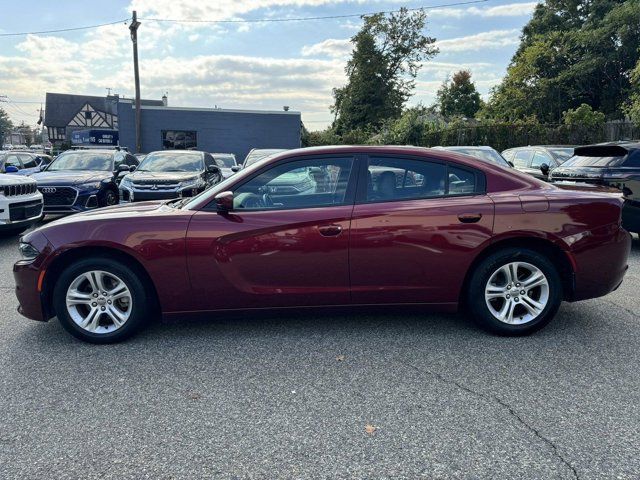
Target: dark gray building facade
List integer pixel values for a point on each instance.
(164, 127)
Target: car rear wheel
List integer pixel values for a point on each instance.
(514, 292)
(100, 300)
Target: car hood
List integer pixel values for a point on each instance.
(69, 177)
(14, 180)
(162, 176)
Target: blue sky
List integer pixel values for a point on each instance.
(234, 65)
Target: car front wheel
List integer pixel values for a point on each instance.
(100, 300)
(514, 292)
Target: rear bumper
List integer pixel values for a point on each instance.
(600, 261)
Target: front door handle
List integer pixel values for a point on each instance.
(330, 230)
(469, 217)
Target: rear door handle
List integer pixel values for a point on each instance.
(469, 217)
(330, 230)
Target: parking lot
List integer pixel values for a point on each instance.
(292, 396)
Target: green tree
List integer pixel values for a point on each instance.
(459, 96)
(632, 106)
(584, 115)
(572, 52)
(5, 125)
(388, 53)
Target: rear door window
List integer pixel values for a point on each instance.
(539, 159)
(521, 158)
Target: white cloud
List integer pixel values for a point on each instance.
(480, 41)
(507, 10)
(331, 47)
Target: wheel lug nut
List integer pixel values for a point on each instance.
(522, 292)
(109, 302)
(517, 299)
(94, 304)
(103, 308)
(95, 294)
(508, 296)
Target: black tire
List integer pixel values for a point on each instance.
(110, 198)
(141, 303)
(482, 274)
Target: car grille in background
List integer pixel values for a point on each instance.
(21, 189)
(155, 185)
(58, 196)
(25, 210)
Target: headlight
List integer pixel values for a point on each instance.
(28, 251)
(192, 182)
(90, 186)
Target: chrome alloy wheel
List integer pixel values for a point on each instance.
(99, 302)
(517, 293)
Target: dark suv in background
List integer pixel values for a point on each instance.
(614, 165)
(170, 174)
(79, 180)
(532, 159)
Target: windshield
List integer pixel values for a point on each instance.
(257, 155)
(78, 160)
(486, 155)
(599, 162)
(561, 154)
(225, 161)
(172, 162)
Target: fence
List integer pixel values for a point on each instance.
(503, 136)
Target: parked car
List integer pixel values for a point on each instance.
(538, 160)
(170, 174)
(79, 180)
(505, 244)
(613, 165)
(484, 153)
(23, 163)
(226, 162)
(20, 204)
(257, 154)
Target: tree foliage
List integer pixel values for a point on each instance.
(583, 115)
(572, 52)
(459, 96)
(388, 53)
(632, 106)
(5, 125)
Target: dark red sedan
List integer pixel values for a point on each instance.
(332, 226)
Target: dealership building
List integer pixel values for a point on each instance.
(109, 121)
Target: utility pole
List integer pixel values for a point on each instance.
(136, 73)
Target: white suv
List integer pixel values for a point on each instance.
(20, 204)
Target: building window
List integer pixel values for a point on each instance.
(179, 139)
(87, 115)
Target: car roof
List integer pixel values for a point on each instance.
(466, 147)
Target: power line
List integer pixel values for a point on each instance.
(71, 29)
(302, 19)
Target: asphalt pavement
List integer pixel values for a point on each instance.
(317, 395)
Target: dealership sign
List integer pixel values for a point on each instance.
(95, 137)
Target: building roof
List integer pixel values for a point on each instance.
(61, 107)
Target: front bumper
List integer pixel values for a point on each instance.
(19, 211)
(84, 200)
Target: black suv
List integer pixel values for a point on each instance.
(170, 174)
(609, 164)
(79, 180)
(538, 160)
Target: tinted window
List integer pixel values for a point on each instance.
(462, 181)
(508, 154)
(172, 162)
(179, 139)
(298, 184)
(561, 154)
(484, 154)
(579, 161)
(404, 179)
(257, 155)
(131, 160)
(225, 161)
(539, 158)
(79, 160)
(521, 158)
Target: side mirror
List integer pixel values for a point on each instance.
(123, 168)
(132, 168)
(224, 201)
(11, 169)
(236, 168)
(544, 168)
(213, 169)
